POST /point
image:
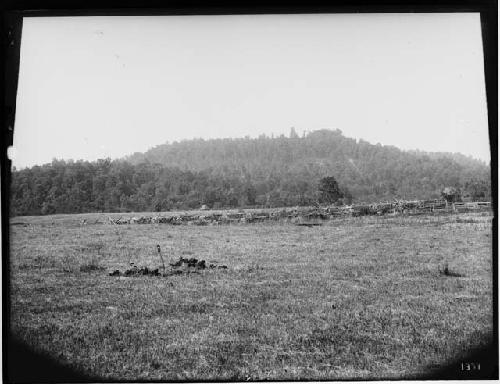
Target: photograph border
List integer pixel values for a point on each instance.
(13, 13)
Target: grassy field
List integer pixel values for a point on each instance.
(354, 298)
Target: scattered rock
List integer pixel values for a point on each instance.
(183, 265)
(143, 271)
(190, 263)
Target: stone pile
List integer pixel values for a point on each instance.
(136, 271)
(183, 265)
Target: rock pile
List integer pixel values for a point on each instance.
(195, 264)
(136, 271)
(183, 265)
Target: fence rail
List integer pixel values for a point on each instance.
(310, 214)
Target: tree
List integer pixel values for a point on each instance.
(329, 191)
(451, 194)
(251, 194)
(477, 190)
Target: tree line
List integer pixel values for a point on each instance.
(321, 167)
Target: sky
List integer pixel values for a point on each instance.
(97, 87)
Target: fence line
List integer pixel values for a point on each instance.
(301, 215)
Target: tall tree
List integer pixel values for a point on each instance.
(329, 190)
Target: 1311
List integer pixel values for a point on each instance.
(471, 366)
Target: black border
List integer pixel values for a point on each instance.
(12, 14)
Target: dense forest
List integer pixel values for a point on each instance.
(261, 172)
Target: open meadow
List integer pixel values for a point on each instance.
(358, 297)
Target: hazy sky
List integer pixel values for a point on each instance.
(93, 87)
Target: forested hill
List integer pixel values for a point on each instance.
(370, 172)
(220, 173)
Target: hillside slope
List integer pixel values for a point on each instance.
(369, 172)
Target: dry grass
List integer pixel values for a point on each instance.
(355, 298)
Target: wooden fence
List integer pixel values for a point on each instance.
(309, 214)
